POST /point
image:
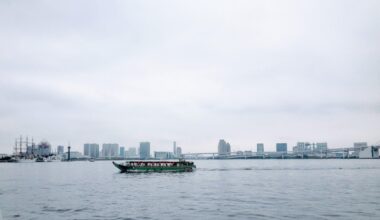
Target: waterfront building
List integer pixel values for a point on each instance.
(179, 151)
(282, 147)
(75, 155)
(371, 152)
(122, 152)
(175, 148)
(162, 155)
(94, 151)
(91, 150)
(144, 150)
(86, 149)
(44, 149)
(260, 148)
(360, 145)
(131, 153)
(307, 147)
(302, 147)
(321, 146)
(224, 148)
(248, 153)
(110, 150)
(60, 150)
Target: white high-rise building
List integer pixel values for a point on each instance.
(86, 149)
(175, 148)
(144, 150)
(122, 152)
(224, 148)
(179, 151)
(110, 150)
(91, 150)
(260, 148)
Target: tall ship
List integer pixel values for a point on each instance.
(141, 166)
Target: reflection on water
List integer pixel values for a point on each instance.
(218, 189)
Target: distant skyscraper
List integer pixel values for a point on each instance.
(175, 148)
(110, 150)
(94, 150)
(179, 151)
(224, 148)
(122, 152)
(91, 150)
(86, 149)
(282, 147)
(260, 148)
(60, 150)
(144, 150)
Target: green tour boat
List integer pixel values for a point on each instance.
(142, 166)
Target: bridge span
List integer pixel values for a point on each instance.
(345, 153)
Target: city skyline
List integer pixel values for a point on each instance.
(277, 71)
(313, 150)
(222, 147)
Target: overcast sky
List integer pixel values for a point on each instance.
(190, 71)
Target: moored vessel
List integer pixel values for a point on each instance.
(141, 166)
(9, 159)
(40, 159)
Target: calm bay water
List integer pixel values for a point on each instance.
(218, 189)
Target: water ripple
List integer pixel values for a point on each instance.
(238, 189)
